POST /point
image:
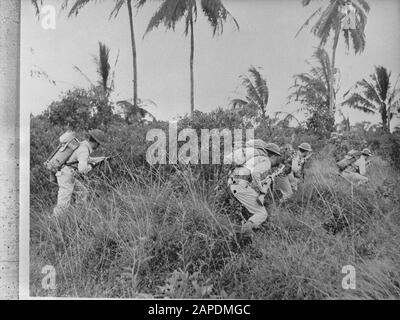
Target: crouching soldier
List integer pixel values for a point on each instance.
(283, 156)
(79, 162)
(355, 172)
(299, 160)
(245, 181)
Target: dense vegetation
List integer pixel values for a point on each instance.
(166, 230)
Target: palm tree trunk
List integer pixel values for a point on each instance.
(385, 118)
(133, 44)
(332, 106)
(191, 66)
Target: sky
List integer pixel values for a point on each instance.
(266, 39)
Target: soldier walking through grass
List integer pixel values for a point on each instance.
(79, 162)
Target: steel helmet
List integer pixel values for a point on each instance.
(272, 147)
(305, 146)
(98, 136)
(257, 144)
(366, 152)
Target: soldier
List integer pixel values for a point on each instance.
(355, 173)
(297, 164)
(79, 162)
(282, 181)
(245, 182)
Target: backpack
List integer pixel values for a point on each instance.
(68, 144)
(348, 160)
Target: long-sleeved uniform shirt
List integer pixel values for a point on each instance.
(256, 169)
(81, 158)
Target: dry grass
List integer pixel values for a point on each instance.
(150, 237)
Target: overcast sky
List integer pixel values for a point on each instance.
(266, 39)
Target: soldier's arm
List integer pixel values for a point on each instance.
(258, 174)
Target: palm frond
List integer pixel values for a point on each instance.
(84, 75)
(305, 24)
(364, 4)
(382, 81)
(216, 14)
(140, 3)
(357, 101)
(252, 93)
(78, 5)
(169, 13)
(327, 22)
(103, 66)
(394, 92)
(260, 85)
(116, 9)
(358, 40)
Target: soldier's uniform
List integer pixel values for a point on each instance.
(78, 163)
(297, 164)
(245, 186)
(245, 181)
(282, 182)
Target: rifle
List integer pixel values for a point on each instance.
(270, 178)
(94, 162)
(266, 183)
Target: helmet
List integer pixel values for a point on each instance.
(272, 147)
(305, 146)
(256, 144)
(98, 136)
(366, 152)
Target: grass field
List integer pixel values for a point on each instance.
(154, 237)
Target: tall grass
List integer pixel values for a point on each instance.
(150, 236)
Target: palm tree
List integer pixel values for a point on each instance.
(171, 11)
(376, 95)
(329, 21)
(103, 68)
(79, 4)
(312, 89)
(257, 92)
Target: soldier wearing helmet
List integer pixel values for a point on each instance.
(297, 165)
(281, 181)
(245, 180)
(356, 172)
(79, 162)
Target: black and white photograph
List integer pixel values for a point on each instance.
(200, 149)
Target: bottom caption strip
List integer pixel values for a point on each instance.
(200, 309)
